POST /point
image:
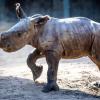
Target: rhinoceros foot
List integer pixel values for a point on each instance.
(37, 72)
(50, 87)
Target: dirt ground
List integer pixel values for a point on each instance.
(74, 78)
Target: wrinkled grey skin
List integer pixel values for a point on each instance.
(54, 39)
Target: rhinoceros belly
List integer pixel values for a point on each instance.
(76, 47)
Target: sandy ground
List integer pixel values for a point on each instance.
(74, 78)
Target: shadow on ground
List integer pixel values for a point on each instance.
(16, 88)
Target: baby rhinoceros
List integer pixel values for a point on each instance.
(54, 39)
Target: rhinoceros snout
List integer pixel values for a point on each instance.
(3, 41)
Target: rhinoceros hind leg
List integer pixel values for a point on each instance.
(96, 60)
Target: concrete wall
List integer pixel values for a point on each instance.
(56, 8)
(51, 7)
(86, 8)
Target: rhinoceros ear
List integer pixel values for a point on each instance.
(41, 20)
(19, 11)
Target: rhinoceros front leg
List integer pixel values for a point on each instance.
(31, 60)
(52, 59)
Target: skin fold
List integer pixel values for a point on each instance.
(53, 39)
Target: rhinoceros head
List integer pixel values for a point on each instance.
(21, 33)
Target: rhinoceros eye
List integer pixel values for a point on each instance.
(19, 34)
